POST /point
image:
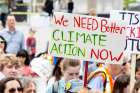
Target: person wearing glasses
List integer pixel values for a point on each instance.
(10, 85)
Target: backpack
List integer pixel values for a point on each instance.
(99, 73)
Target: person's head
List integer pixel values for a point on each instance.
(126, 65)
(92, 12)
(10, 85)
(11, 22)
(23, 57)
(9, 65)
(126, 68)
(71, 68)
(57, 71)
(29, 85)
(137, 71)
(136, 88)
(3, 44)
(115, 69)
(121, 84)
(32, 32)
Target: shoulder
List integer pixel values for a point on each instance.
(51, 81)
(3, 31)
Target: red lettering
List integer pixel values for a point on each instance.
(61, 21)
(89, 24)
(115, 58)
(83, 22)
(138, 32)
(93, 52)
(86, 23)
(105, 54)
(94, 24)
(103, 25)
(77, 21)
(132, 31)
(102, 55)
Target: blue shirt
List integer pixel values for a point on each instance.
(60, 87)
(96, 83)
(15, 40)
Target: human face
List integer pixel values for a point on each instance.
(138, 74)
(126, 68)
(21, 59)
(32, 33)
(72, 73)
(2, 45)
(11, 22)
(115, 69)
(13, 86)
(11, 70)
(30, 89)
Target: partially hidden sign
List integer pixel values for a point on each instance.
(87, 38)
(132, 20)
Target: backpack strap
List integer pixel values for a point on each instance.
(99, 73)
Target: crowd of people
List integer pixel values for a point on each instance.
(22, 71)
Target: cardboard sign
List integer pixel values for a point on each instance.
(87, 38)
(132, 20)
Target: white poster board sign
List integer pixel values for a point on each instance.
(132, 20)
(87, 38)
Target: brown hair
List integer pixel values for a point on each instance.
(70, 62)
(121, 83)
(5, 80)
(136, 86)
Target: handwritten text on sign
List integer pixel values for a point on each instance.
(132, 20)
(87, 38)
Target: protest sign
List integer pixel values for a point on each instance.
(132, 20)
(87, 38)
(132, 45)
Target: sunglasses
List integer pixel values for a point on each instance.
(1, 41)
(13, 90)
